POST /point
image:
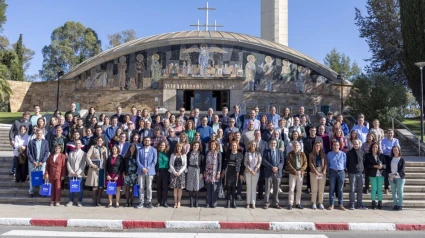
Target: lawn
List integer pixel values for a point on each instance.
(9, 117)
(413, 124)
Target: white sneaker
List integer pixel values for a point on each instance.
(69, 204)
(314, 206)
(321, 207)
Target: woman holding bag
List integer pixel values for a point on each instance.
(114, 169)
(376, 171)
(177, 169)
(96, 157)
(130, 175)
(55, 173)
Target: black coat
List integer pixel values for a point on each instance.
(118, 168)
(370, 162)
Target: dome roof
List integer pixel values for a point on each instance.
(199, 37)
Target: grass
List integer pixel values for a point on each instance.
(413, 124)
(9, 117)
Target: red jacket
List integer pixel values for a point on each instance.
(56, 170)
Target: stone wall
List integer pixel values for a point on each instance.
(27, 94)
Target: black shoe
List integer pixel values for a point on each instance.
(400, 208)
(373, 205)
(165, 204)
(227, 204)
(234, 204)
(395, 208)
(380, 205)
(289, 207)
(299, 206)
(149, 205)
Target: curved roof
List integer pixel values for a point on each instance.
(198, 37)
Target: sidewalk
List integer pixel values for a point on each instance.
(207, 218)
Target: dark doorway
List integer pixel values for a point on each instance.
(202, 99)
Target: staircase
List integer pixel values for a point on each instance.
(16, 193)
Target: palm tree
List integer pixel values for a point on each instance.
(5, 90)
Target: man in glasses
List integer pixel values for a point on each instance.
(37, 152)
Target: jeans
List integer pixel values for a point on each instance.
(212, 193)
(336, 183)
(356, 186)
(397, 191)
(376, 187)
(31, 168)
(80, 194)
(145, 181)
(14, 160)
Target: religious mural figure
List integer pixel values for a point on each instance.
(110, 74)
(300, 80)
(90, 81)
(100, 79)
(140, 70)
(250, 71)
(285, 74)
(205, 57)
(155, 71)
(268, 69)
(122, 67)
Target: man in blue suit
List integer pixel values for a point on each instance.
(123, 144)
(239, 118)
(146, 161)
(273, 162)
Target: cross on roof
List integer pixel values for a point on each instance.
(206, 19)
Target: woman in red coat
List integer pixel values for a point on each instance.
(55, 173)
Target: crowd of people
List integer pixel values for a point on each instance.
(215, 153)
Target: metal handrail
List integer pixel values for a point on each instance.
(351, 116)
(405, 127)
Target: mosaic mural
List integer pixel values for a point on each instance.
(261, 72)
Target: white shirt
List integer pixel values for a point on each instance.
(55, 157)
(394, 166)
(20, 141)
(251, 160)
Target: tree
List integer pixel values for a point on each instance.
(19, 50)
(382, 30)
(377, 97)
(5, 90)
(413, 34)
(122, 37)
(341, 63)
(28, 55)
(71, 44)
(3, 18)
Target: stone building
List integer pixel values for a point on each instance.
(189, 69)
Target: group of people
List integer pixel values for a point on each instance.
(213, 152)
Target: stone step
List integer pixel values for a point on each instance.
(388, 204)
(23, 192)
(283, 186)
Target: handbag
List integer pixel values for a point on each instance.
(46, 189)
(22, 158)
(74, 185)
(221, 191)
(136, 190)
(111, 189)
(36, 177)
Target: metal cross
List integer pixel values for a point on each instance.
(206, 19)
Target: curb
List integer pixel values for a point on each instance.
(209, 225)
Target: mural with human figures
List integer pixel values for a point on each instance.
(145, 69)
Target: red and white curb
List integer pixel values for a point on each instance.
(210, 225)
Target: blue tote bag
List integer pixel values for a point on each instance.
(136, 191)
(74, 185)
(46, 189)
(111, 189)
(36, 177)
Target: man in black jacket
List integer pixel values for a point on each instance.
(308, 148)
(355, 169)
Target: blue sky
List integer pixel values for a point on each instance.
(315, 26)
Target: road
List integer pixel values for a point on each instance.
(11, 231)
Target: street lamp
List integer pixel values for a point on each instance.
(60, 74)
(421, 66)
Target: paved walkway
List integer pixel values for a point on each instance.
(407, 216)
